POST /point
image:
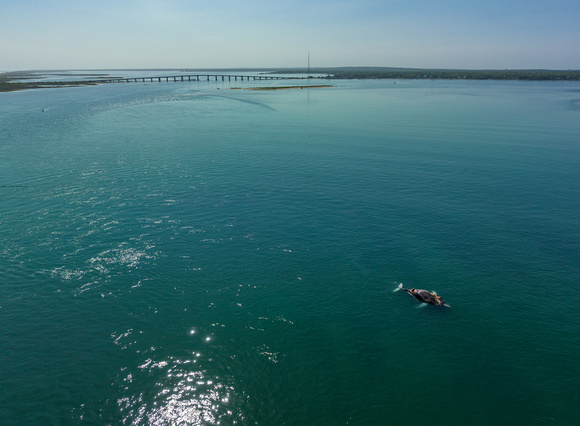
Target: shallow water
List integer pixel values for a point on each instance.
(186, 253)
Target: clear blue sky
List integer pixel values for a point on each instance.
(492, 34)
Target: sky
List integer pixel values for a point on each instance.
(132, 34)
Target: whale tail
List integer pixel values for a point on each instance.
(398, 288)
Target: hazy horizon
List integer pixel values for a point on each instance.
(182, 69)
(154, 34)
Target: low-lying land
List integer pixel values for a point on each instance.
(22, 80)
(7, 86)
(25, 80)
(448, 74)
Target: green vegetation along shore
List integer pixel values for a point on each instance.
(449, 74)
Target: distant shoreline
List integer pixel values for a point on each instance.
(8, 84)
(351, 73)
(12, 87)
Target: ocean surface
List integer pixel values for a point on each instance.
(187, 253)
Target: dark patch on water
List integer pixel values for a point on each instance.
(574, 104)
(247, 101)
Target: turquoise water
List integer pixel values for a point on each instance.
(183, 253)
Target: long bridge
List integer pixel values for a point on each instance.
(196, 77)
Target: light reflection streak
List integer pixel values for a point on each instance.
(181, 396)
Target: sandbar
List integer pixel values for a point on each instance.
(282, 87)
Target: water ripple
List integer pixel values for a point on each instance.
(182, 395)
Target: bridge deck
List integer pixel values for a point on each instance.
(196, 77)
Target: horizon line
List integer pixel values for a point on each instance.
(284, 68)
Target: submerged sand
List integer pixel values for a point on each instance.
(282, 87)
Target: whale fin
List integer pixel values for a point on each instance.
(446, 305)
(398, 288)
(422, 305)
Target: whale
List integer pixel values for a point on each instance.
(424, 296)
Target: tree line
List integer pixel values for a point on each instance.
(412, 73)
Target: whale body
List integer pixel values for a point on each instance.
(424, 296)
